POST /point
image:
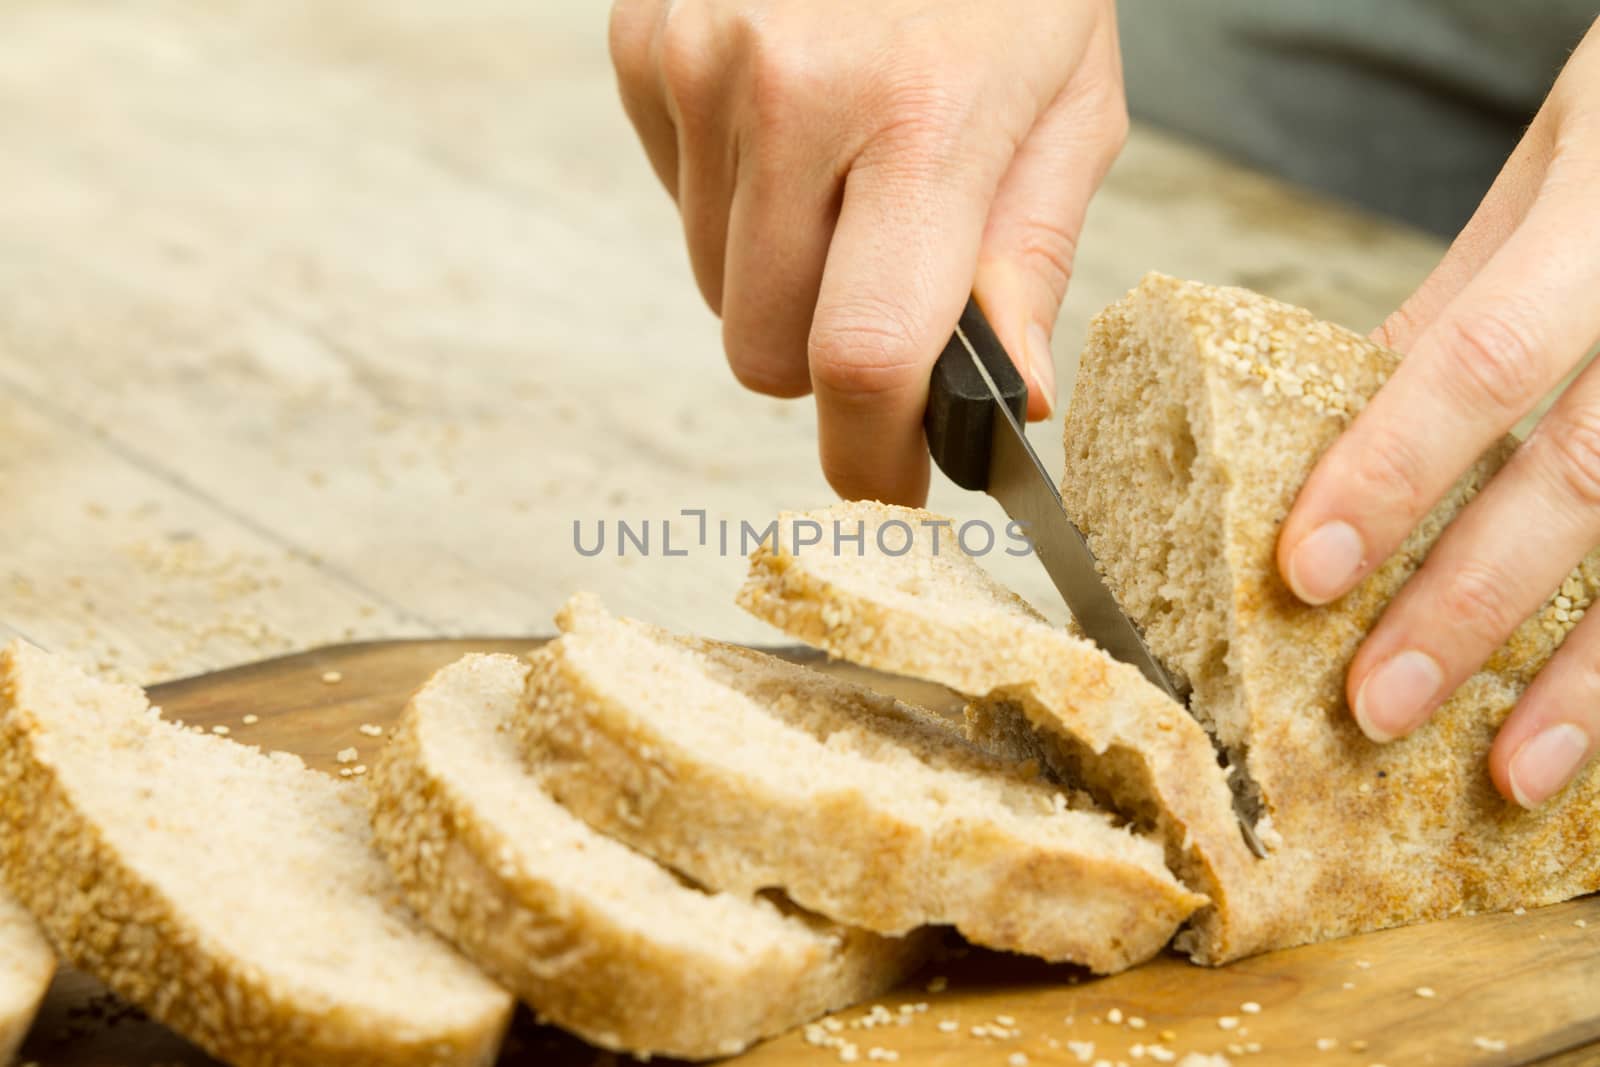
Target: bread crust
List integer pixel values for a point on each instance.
(543, 930)
(834, 850)
(109, 918)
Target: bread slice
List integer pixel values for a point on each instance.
(1041, 693)
(597, 938)
(1197, 415)
(235, 896)
(27, 964)
(746, 772)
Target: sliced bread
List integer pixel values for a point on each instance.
(746, 773)
(597, 938)
(233, 895)
(1197, 414)
(27, 964)
(1041, 693)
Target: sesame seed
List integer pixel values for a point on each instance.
(1426, 992)
(332, 677)
(346, 755)
(1250, 1007)
(1325, 1044)
(1135, 1022)
(948, 1026)
(370, 729)
(1114, 1016)
(220, 730)
(251, 719)
(1228, 1022)
(1579, 923)
(1017, 1059)
(1489, 1044)
(1519, 910)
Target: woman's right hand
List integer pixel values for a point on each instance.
(847, 172)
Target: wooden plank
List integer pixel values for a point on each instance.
(396, 287)
(1527, 981)
(137, 577)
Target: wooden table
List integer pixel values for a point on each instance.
(326, 321)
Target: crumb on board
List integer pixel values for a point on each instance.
(332, 677)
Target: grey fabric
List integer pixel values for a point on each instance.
(1408, 107)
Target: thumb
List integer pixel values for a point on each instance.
(1031, 237)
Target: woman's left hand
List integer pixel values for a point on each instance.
(1511, 310)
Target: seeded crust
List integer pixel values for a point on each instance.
(214, 937)
(746, 772)
(1039, 692)
(595, 937)
(27, 964)
(1197, 415)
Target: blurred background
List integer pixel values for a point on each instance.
(323, 322)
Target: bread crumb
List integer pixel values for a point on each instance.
(1228, 1022)
(370, 729)
(1579, 923)
(1135, 1022)
(251, 719)
(1426, 992)
(1114, 1016)
(220, 730)
(1327, 1044)
(1250, 1007)
(1083, 1050)
(1017, 1059)
(1005, 1020)
(346, 755)
(1519, 910)
(1161, 1054)
(359, 769)
(948, 1026)
(332, 677)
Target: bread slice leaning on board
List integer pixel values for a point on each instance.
(597, 938)
(1196, 415)
(27, 963)
(744, 771)
(233, 895)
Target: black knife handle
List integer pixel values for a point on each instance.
(960, 418)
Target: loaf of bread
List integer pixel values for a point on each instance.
(744, 771)
(1197, 415)
(27, 964)
(597, 938)
(233, 895)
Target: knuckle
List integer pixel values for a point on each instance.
(863, 351)
(687, 69)
(1494, 354)
(1389, 470)
(1574, 440)
(628, 37)
(1047, 249)
(1475, 597)
(1396, 330)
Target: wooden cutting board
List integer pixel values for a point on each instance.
(1491, 989)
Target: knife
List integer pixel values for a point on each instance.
(974, 423)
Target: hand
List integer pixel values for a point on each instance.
(847, 172)
(1513, 307)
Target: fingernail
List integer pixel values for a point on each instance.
(1395, 698)
(1325, 562)
(1546, 762)
(1040, 364)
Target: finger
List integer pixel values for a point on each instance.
(1025, 260)
(700, 101)
(1495, 350)
(634, 41)
(1550, 735)
(1498, 215)
(897, 276)
(778, 235)
(1494, 566)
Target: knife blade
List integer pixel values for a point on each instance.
(977, 402)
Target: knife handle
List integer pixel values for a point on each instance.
(959, 422)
